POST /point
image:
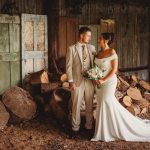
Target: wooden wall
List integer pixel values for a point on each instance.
(132, 29)
(132, 25)
(23, 6)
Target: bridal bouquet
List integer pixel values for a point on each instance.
(94, 73)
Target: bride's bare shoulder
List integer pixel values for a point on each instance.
(112, 51)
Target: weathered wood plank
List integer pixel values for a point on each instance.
(9, 19)
(9, 51)
(26, 6)
(4, 76)
(34, 43)
(15, 73)
(4, 38)
(68, 34)
(132, 28)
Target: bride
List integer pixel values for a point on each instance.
(113, 121)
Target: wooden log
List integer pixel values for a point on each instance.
(42, 102)
(146, 96)
(64, 78)
(122, 85)
(39, 77)
(65, 85)
(134, 109)
(144, 110)
(133, 80)
(134, 93)
(142, 103)
(127, 101)
(123, 81)
(59, 103)
(145, 85)
(4, 116)
(118, 94)
(118, 83)
(19, 102)
(47, 87)
(39, 99)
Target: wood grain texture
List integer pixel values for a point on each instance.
(131, 28)
(34, 43)
(9, 51)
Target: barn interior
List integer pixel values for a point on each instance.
(34, 91)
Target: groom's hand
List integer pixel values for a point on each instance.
(94, 82)
(72, 86)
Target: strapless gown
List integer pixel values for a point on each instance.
(113, 121)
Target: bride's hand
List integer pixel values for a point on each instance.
(99, 81)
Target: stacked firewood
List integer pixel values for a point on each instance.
(52, 98)
(132, 93)
(135, 94)
(42, 96)
(40, 87)
(20, 104)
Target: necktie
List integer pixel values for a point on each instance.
(84, 56)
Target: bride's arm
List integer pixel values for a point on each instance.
(114, 64)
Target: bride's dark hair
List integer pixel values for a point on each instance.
(108, 36)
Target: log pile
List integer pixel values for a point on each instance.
(51, 97)
(136, 94)
(41, 87)
(132, 93)
(46, 97)
(60, 104)
(37, 82)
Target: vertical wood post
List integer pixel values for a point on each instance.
(53, 32)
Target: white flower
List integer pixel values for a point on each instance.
(94, 73)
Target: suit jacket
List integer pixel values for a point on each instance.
(74, 62)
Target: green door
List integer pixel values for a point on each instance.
(9, 51)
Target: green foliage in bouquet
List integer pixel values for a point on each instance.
(94, 73)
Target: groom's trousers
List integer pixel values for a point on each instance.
(86, 91)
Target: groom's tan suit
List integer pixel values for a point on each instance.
(84, 87)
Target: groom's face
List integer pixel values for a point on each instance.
(86, 37)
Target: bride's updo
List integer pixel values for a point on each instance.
(108, 36)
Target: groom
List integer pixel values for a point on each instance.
(79, 58)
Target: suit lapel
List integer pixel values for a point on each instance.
(90, 54)
(78, 48)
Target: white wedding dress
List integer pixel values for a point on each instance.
(113, 121)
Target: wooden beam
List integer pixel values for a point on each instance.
(133, 69)
(53, 28)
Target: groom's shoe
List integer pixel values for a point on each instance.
(73, 134)
(89, 133)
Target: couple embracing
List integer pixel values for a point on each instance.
(113, 121)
